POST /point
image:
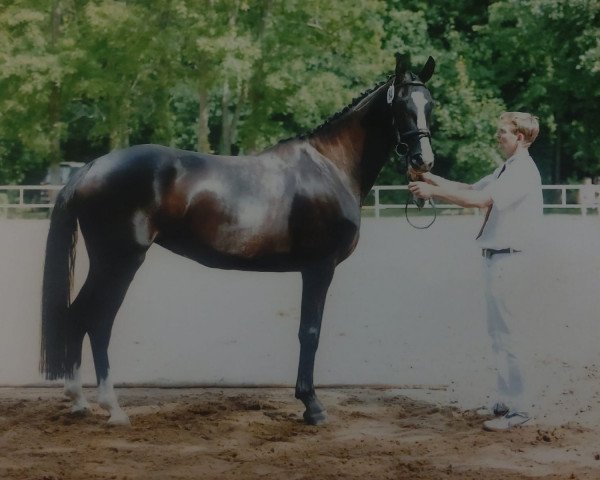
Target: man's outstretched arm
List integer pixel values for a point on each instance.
(454, 192)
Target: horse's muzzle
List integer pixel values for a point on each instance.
(417, 163)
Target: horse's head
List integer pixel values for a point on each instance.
(412, 105)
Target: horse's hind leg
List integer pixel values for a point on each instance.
(315, 283)
(73, 381)
(111, 281)
(79, 316)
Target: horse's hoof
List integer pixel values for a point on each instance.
(317, 418)
(119, 419)
(80, 410)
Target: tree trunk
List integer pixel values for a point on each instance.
(119, 132)
(557, 157)
(203, 143)
(54, 99)
(254, 86)
(225, 141)
(236, 115)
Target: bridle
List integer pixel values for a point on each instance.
(402, 150)
(420, 133)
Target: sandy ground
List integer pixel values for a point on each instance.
(374, 433)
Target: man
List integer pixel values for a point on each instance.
(512, 197)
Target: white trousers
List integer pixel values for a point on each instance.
(504, 284)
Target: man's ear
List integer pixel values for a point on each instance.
(428, 70)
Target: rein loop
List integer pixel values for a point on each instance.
(421, 227)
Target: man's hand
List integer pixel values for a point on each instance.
(421, 190)
(430, 178)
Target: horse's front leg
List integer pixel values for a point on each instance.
(315, 283)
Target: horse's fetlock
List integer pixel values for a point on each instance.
(304, 393)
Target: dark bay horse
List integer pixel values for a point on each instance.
(294, 207)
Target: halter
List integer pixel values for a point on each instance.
(401, 137)
(418, 132)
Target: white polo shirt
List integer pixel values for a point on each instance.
(517, 211)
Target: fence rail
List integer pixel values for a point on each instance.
(580, 198)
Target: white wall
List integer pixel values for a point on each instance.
(405, 308)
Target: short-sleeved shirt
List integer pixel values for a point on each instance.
(518, 204)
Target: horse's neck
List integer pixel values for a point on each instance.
(359, 143)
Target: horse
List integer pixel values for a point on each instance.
(294, 207)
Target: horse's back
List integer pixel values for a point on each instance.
(138, 164)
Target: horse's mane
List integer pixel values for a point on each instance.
(337, 115)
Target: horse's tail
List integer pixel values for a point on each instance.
(57, 283)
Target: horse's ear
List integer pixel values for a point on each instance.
(402, 66)
(428, 70)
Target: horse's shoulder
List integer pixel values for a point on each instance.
(313, 161)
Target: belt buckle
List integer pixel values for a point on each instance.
(487, 253)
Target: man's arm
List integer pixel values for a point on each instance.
(443, 182)
(454, 192)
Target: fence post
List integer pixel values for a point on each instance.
(376, 191)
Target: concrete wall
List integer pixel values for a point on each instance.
(405, 308)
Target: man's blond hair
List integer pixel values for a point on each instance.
(524, 123)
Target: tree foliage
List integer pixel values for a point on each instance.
(81, 77)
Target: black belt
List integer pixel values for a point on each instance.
(490, 252)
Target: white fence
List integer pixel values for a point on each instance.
(28, 196)
(578, 198)
(571, 198)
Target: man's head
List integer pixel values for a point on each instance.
(516, 130)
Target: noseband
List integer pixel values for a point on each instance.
(419, 132)
(402, 146)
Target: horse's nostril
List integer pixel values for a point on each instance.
(417, 160)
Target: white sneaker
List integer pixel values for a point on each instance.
(508, 421)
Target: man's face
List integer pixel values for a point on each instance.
(507, 140)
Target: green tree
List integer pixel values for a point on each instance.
(36, 56)
(289, 65)
(117, 71)
(78, 78)
(543, 56)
